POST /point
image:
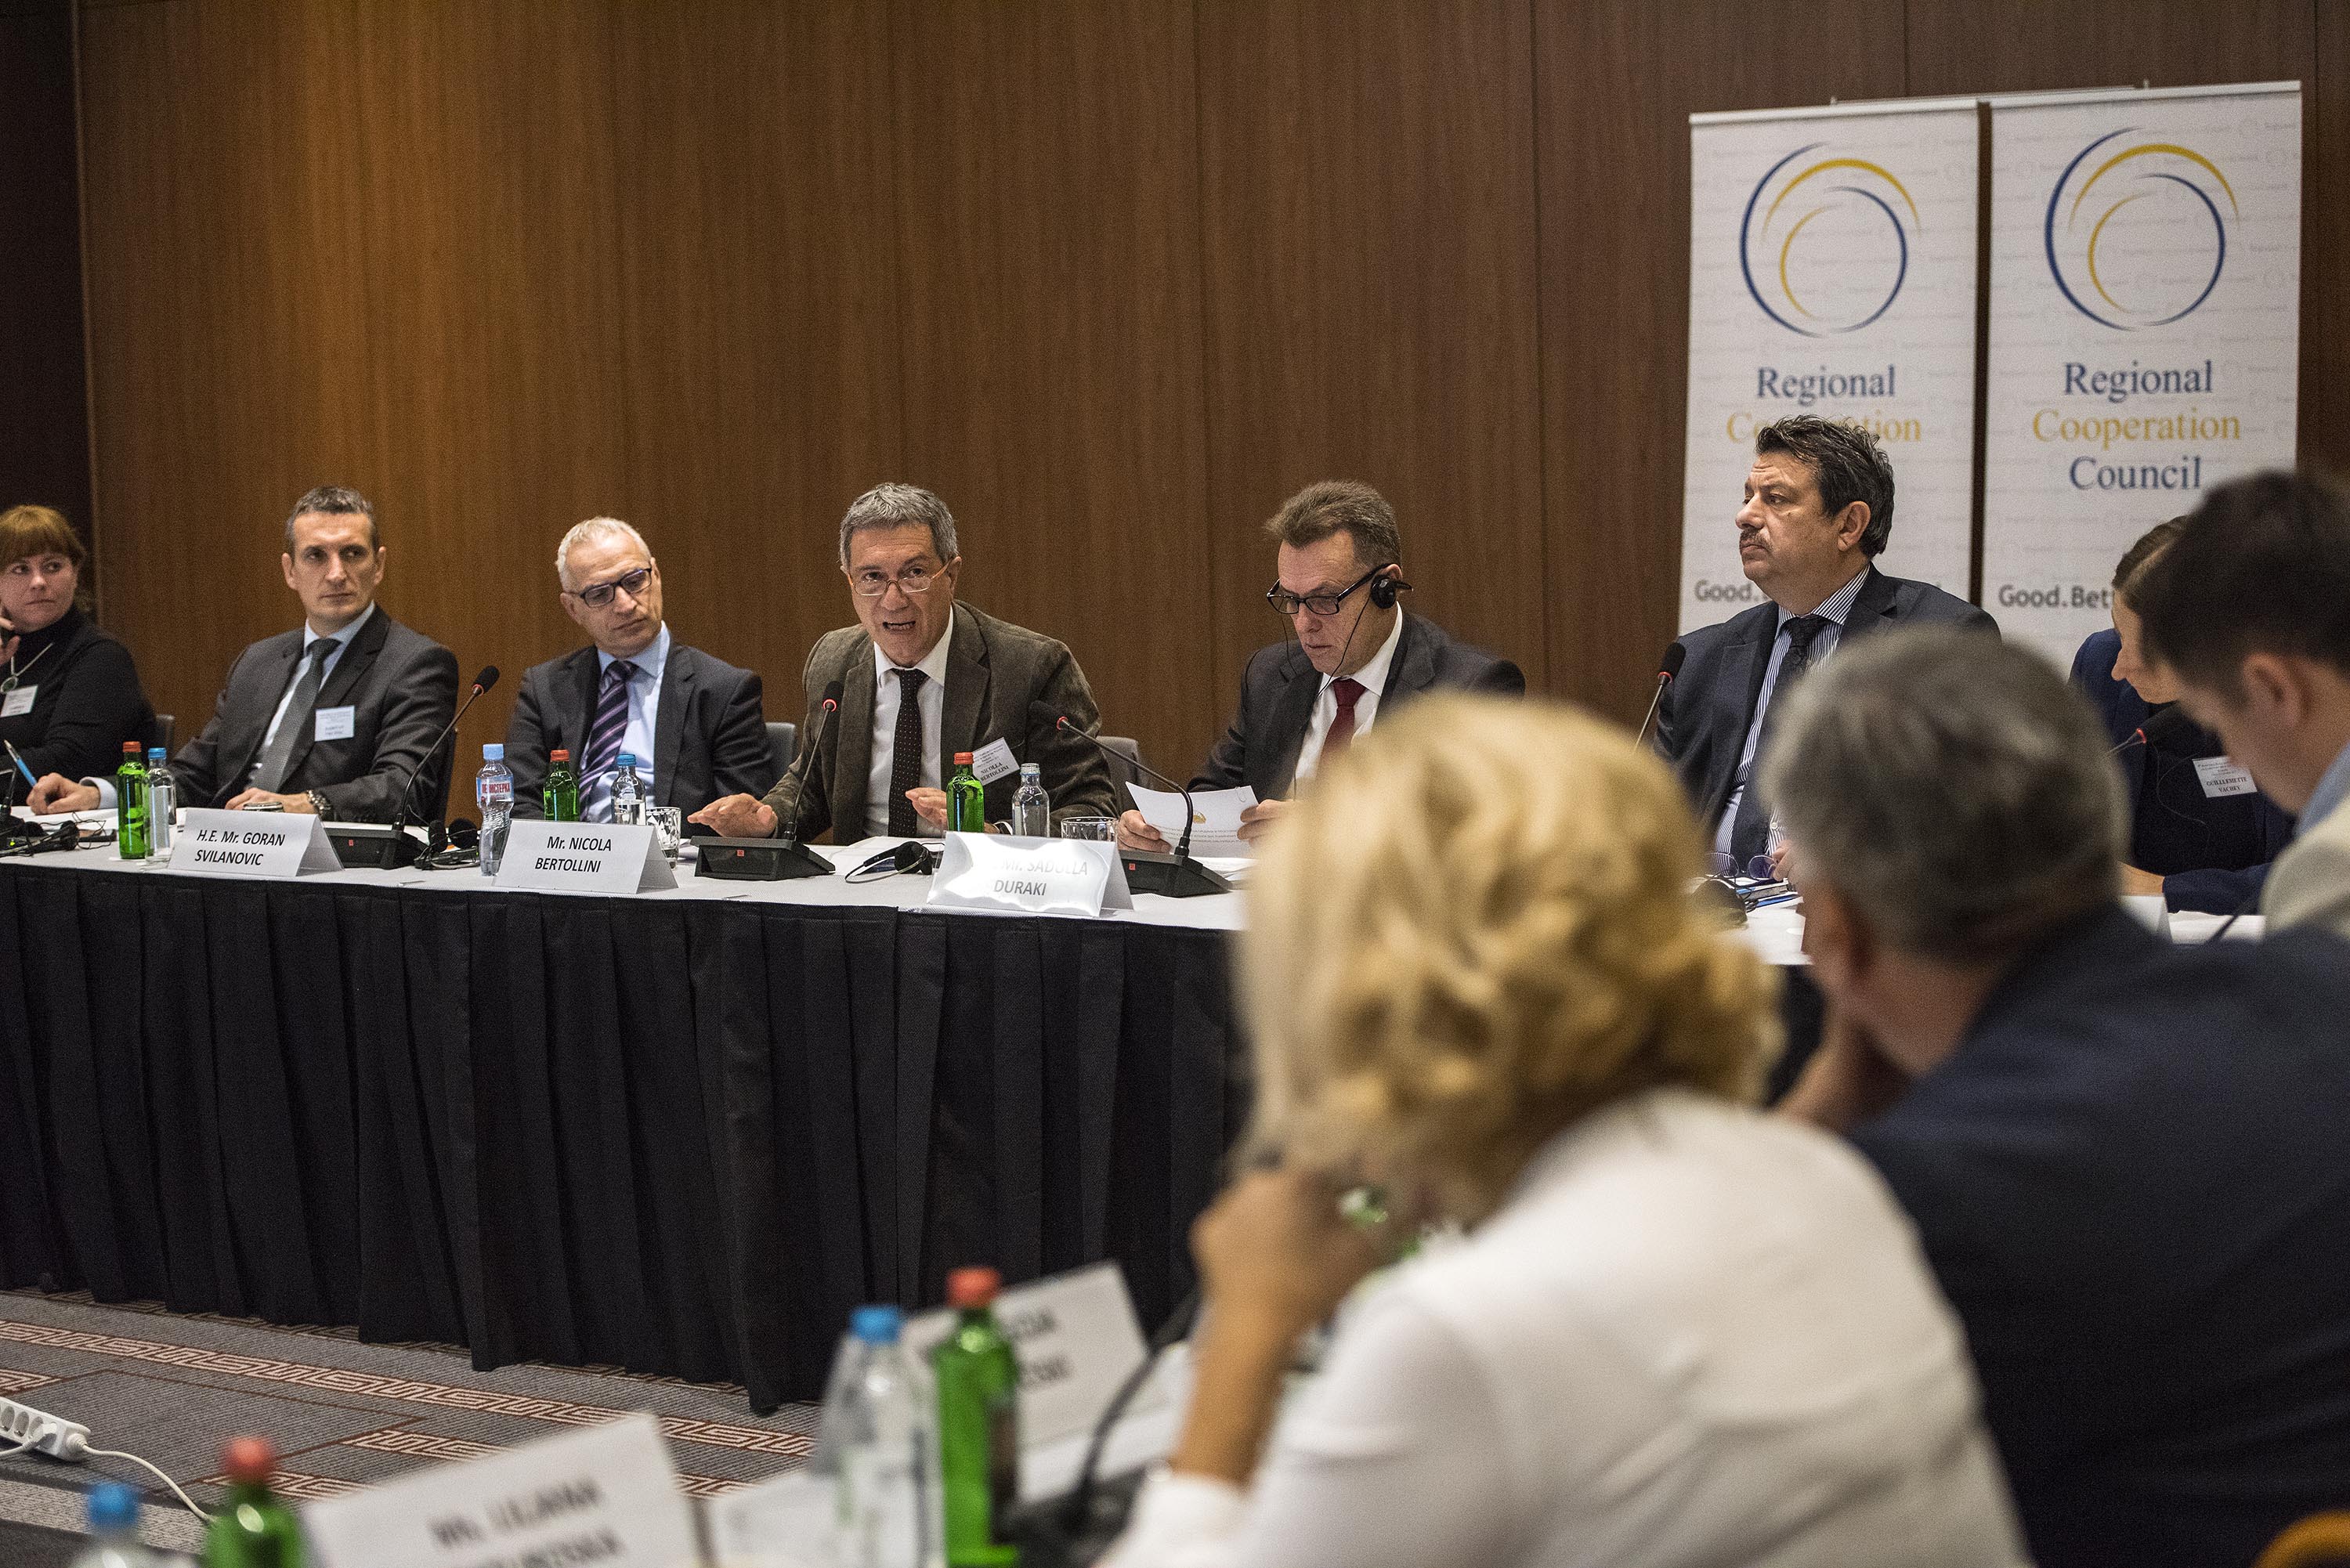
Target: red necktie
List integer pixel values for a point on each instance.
(1348, 691)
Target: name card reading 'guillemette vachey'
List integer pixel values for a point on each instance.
(606, 1495)
(1029, 875)
(584, 858)
(270, 845)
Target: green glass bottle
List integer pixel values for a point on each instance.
(255, 1530)
(966, 798)
(561, 796)
(978, 1379)
(130, 839)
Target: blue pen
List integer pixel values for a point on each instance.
(18, 757)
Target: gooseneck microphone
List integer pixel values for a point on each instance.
(2159, 727)
(1178, 877)
(403, 850)
(791, 858)
(1667, 670)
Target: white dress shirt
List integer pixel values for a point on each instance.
(644, 717)
(1694, 1334)
(933, 701)
(332, 657)
(1373, 677)
(1833, 609)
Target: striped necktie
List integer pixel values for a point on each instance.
(604, 732)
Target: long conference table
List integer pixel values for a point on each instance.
(683, 1132)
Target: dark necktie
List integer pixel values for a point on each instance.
(1750, 835)
(1349, 691)
(604, 732)
(906, 753)
(269, 772)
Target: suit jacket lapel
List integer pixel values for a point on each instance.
(1413, 669)
(1291, 716)
(577, 696)
(351, 665)
(852, 743)
(670, 708)
(276, 668)
(967, 691)
(1872, 607)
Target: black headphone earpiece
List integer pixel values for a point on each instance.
(1385, 589)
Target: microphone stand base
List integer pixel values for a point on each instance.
(384, 848)
(757, 859)
(1170, 875)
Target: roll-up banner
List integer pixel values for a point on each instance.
(1832, 271)
(2145, 293)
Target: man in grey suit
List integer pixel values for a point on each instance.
(691, 721)
(1818, 510)
(1356, 655)
(922, 678)
(330, 717)
(2249, 610)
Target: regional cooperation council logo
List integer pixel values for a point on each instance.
(1831, 250)
(2139, 240)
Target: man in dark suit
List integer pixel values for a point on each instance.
(1818, 510)
(1356, 655)
(691, 721)
(923, 679)
(330, 717)
(2124, 1159)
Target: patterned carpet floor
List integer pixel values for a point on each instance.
(171, 1387)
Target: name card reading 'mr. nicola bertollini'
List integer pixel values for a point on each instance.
(271, 845)
(606, 1495)
(1029, 875)
(605, 857)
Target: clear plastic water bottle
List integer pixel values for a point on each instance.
(114, 1531)
(1032, 808)
(494, 792)
(627, 791)
(162, 795)
(877, 1445)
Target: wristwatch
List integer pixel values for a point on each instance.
(318, 804)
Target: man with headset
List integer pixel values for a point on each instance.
(1356, 654)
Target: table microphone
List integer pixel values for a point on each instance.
(1668, 669)
(793, 859)
(2159, 727)
(482, 682)
(1180, 877)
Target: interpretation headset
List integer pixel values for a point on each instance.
(1384, 589)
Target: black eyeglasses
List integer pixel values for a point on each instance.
(601, 594)
(1285, 602)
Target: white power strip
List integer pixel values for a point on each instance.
(23, 1427)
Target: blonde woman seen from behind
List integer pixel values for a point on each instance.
(1677, 1332)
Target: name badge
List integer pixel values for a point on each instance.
(271, 846)
(2223, 776)
(995, 761)
(19, 703)
(1029, 875)
(607, 857)
(605, 1494)
(333, 724)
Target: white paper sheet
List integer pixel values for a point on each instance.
(1215, 818)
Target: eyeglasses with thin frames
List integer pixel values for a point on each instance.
(600, 594)
(1285, 604)
(913, 579)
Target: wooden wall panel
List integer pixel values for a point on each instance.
(1047, 215)
(1369, 238)
(2325, 245)
(1617, 85)
(759, 257)
(43, 422)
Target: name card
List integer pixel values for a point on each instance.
(607, 857)
(606, 1495)
(1029, 875)
(786, 1522)
(1078, 1341)
(2223, 776)
(275, 845)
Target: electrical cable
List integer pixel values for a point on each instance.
(167, 1481)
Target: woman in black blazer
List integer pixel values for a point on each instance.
(2199, 834)
(69, 695)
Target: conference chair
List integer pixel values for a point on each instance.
(783, 740)
(164, 726)
(1132, 751)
